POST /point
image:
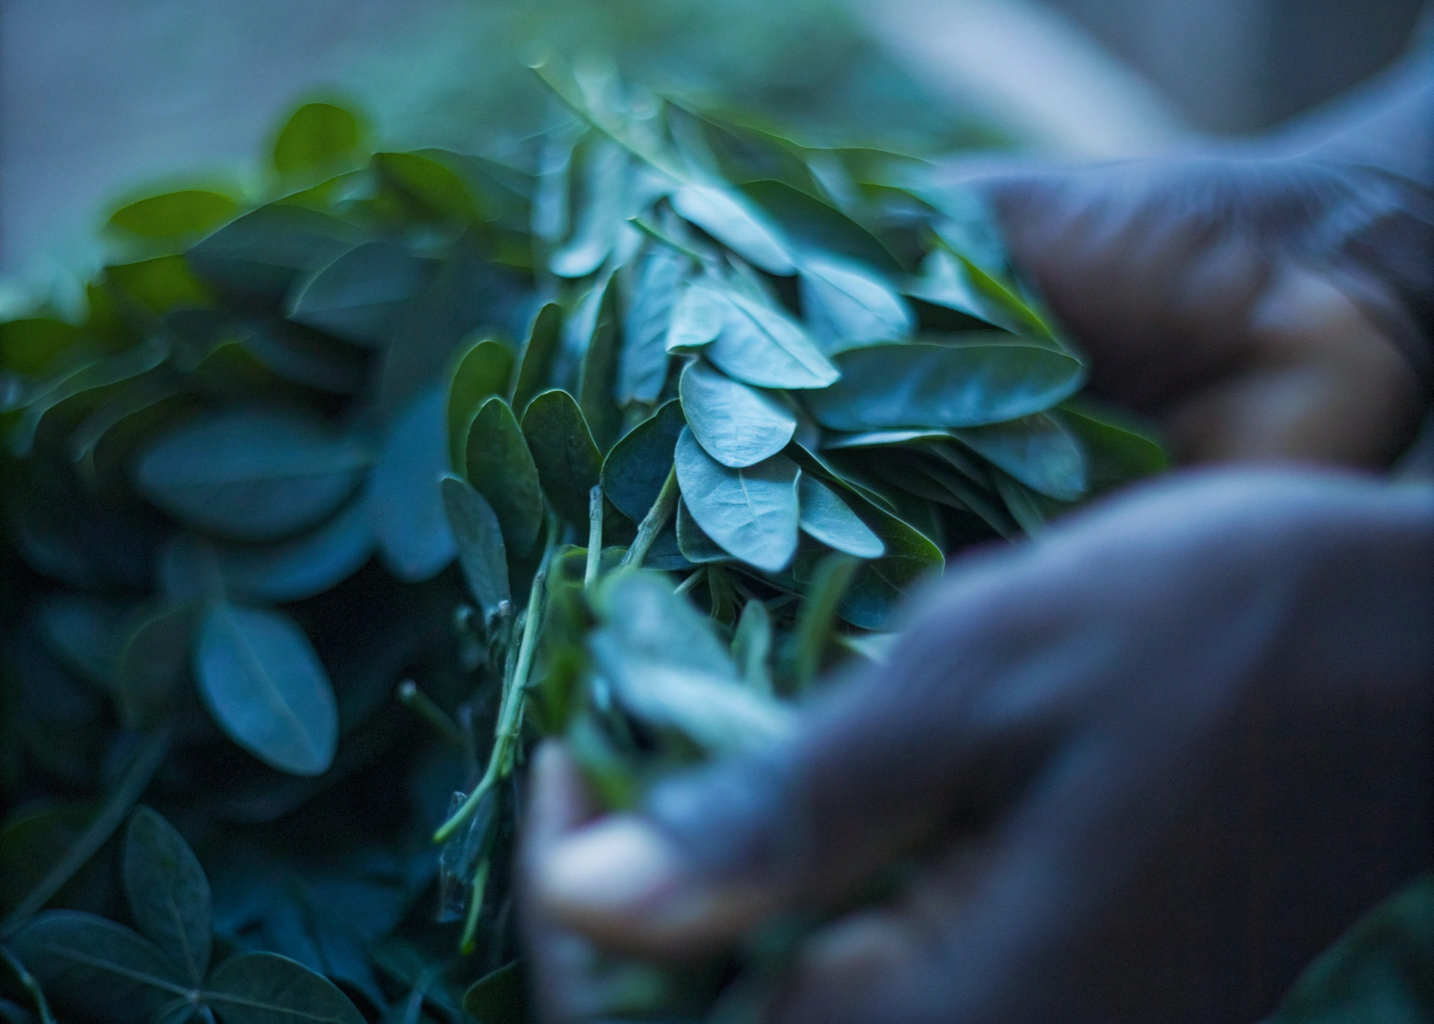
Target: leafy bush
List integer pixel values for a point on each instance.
(337, 500)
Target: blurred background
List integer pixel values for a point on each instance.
(99, 99)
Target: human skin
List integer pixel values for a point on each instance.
(1153, 762)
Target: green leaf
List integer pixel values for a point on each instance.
(633, 472)
(818, 226)
(362, 294)
(85, 631)
(765, 347)
(945, 281)
(1027, 507)
(305, 566)
(605, 167)
(642, 368)
(319, 137)
(35, 838)
(501, 468)
(161, 284)
(498, 997)
(813, 633)
(97, 967)
(696, 318)
(27, 346)
(825, 516)
(481, 551)
(265, 988)
(168, 892)
(1117, 449)
(596, 322)
(737, 425)
(154, 664)
(304, 356)
(1036, 450)
(265, 686)
(876, 592)
(536, 369)
(483, 371)
(251, 474)
(751, 513)
(938, 385)
(404, 498)
(569, 464)
(696, 546)
(185, 213)
(731, 219)
(257, 258)
(429, 186)
(847, 305)
(752, 646)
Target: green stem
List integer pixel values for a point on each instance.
(653, 522)
(510, 707)
(126, 794)
(411, 697)
(590, 573)
(818, 615)
(30, 985)
(466, 944)
(690, 582)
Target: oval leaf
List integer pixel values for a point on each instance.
(878, 587)
(738, 425)
(404, 497)
(481, 552)
(267, 689)
(168, 892)
(483, 371)
(544, 338)
(633, 472)
(751, 513)
(154, 664)
(642, 367)
(318, 136)
(1036, 450)
(265, 988)
(765, 347)
(304, 566)
(361, 295)
(932, 385)
(847, 306)
(696, 319)
(501, 468)
(569, 464)
(733, 222)
(830, 520)
(254, 474)
(175, 214)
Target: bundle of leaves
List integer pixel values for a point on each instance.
(343, 495)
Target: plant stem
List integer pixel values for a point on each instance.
(653, 522)
(467, 944)
(814, 625)
(411, 697)
(126, 794)
(590, 573)
(690, 582)
(510, 707)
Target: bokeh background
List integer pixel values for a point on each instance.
(99, 99)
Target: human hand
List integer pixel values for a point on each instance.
(1258, 309)
(1147, 767)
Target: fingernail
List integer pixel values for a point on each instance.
(619, 867)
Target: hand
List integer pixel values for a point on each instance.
(1147, 767)
(1260, 309)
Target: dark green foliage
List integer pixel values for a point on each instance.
(340, 497)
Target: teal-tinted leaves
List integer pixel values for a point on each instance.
(830, 520)
(168, 892)
(569, 464)
(319, 137)
(876, 590)
(483, 371)
(763, 346)
(751, 513)
(738, 425)
(304, 566)
(265, 686)
(934, 385)
(945, 281)
(97, 967)
(258, 257)
(252, 474)
(596, 323)
(27, 346)
(696, 318)
(501, 468)
(633, 472)
(605, 164)
(403, 493)
(1036, 450)
(154, 664)
(187, 213)
(427, 186)
(847, 305)
(1116, 449)
(696, 546)
(544, 339)
(361, 295)
(265, 988)
(733, 222)
(642, 369)
(481, 551)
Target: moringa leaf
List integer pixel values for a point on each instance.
(926, 385)
(501, 468)
(265, 988)
(825, 516)
(633, 472)
(257, 258)
(642, 369)
(303, 566)
(483, 371)
(250, 474)
(404, 499)
(568, 462)
(481, 551)
(319, 137)
(696, 546)
(154, 664)
(847, 305)
(264, 684)
(737, 425)
(361, 295)
(1117, 448)
(696, 318)
(876, 591)
(544, 339)
(168, 892)
(751, 512)
(181, 214)
(606, 170)
(597, 374)
(732, 220)
(1036, 450)
(752, 645)
(762, 346)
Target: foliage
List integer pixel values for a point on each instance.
(334, 503)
